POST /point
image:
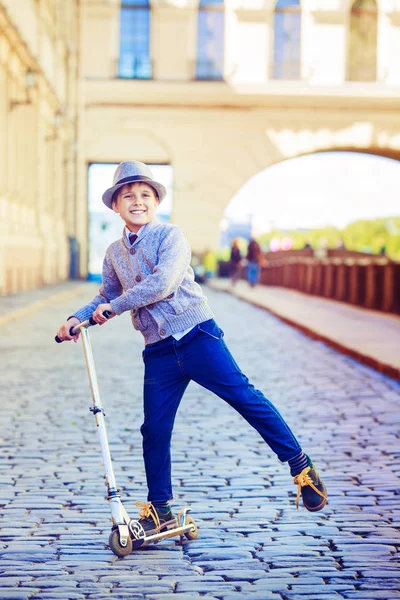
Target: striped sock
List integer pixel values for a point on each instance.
(162, 507)
(298, 463)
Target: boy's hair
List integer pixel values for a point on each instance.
(117, 192)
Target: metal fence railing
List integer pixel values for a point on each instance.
(369, 281)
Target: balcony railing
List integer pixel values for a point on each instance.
(135, 67)
(209, 70)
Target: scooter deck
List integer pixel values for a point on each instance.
(184, 525)
(162, 535)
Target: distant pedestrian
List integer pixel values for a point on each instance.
(235, 262)
(340, 245)
(253, 262)
(210, 263)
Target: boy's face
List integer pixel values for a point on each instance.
(136, 203)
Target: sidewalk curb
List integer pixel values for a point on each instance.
(369, 361)
(26, 310)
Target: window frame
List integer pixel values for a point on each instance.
(210, 8)
(274, 65)
(134, 5)
(359, 12)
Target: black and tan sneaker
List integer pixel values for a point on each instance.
(311, 488)
(153, 519)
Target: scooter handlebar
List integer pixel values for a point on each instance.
(89, 323)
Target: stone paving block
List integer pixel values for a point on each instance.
(241, 574)
(252, 596)
(8, 582)
(220, 554)
(309, 595)
(381, 573)
(217, 565)
(65, 582)
(380, 584)
(119, 579)
(59, 595)
(178, 595)
(292, 581)
(206, 586)
(271, 584)
(119, 593)
(372, 594)
(18, 593)
(155, 588)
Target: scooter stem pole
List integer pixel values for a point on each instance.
(99, 415)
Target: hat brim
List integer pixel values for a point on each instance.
(158, 187)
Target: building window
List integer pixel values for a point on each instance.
(210, 40)
(134, 48)
(287, 39)
(363, 39)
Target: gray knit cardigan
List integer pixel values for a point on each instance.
(154, 280)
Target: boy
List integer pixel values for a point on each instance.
(148, 272)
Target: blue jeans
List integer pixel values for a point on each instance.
(253, 273)
(201, 356)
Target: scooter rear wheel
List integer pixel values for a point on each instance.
(115, 545)
(193, 533)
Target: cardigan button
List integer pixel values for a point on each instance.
(162, 332)
(138, 278)
(132, 250)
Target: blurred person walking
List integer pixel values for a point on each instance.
(210, 263)
(235, 262)
(253, 262)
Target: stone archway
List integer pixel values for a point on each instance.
(332, 188)
(214, 150)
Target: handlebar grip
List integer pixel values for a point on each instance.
(59, 340)
(106, 313)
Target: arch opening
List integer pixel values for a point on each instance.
(328, 199)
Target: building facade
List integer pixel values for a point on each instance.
(39, 122)
(221, 90)
(218, 90)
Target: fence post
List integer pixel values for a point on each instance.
(340, 288)
(370, 287)
(388, 288)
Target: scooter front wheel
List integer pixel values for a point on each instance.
(193, 532)
(116, 547)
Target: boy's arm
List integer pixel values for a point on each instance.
(110, 288)
(173, 262)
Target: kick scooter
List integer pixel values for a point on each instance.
(126, 534)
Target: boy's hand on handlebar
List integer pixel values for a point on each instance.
(98, 313)
(64, 331)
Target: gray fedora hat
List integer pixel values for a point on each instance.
(132, 172)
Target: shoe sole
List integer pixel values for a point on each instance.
(164, 527)
(315, 508)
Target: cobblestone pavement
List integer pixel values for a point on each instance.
(253, 543)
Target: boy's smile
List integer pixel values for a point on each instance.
(136, 204)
